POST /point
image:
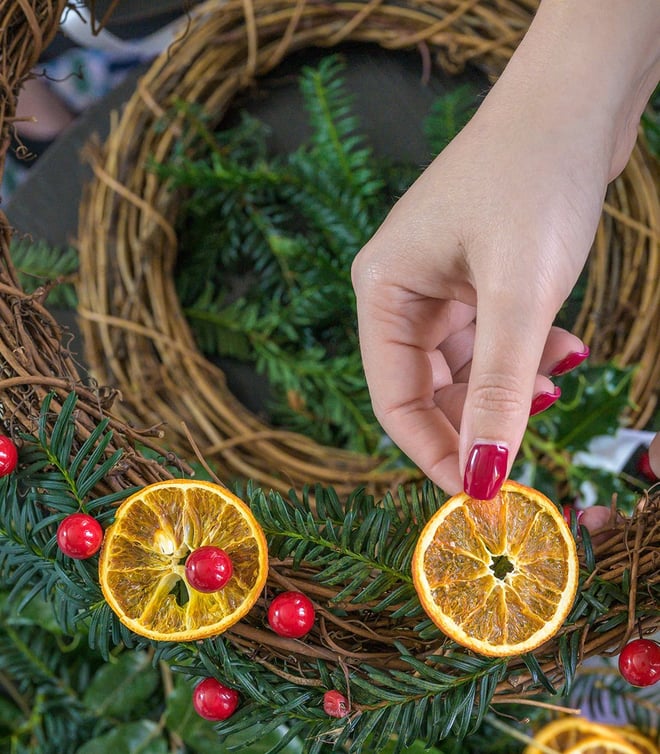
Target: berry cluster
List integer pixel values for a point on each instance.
(290, 615)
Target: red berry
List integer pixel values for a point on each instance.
(79, 536)
(644, 467)
(335, 704)
(208, 569)
(8, 456)
(213, 701)
(291, 614)
(639, 662)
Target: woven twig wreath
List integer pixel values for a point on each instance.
(34, 362)
(135, 333)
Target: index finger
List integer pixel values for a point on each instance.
(396, 342)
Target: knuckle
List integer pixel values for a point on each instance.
(365, 269)
(495, 396)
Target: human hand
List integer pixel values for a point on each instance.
(497, 230)
(458, 289)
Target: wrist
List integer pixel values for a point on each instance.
(588, 69)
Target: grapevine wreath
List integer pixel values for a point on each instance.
(135, 332)
(371, 663)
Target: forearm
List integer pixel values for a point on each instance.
(589, 64)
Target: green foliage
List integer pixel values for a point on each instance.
(43, 685)
(604, 694)
(40, 264)
(651, 123)
(77, 681)
(267, 246)
(449, 114)
(593, 401)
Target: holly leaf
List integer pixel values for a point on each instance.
(144, 737)
(592, 403)
(120, 687)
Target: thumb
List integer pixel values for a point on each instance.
(509, 342)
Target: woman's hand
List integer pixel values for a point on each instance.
(458, 289)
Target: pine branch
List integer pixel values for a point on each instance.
(364, 545)
(449, 114)
(56, 478)
(405, 681)
(40, 265)
(50, 716)
(604, 694)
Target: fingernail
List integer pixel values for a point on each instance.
(544, 400)
(485, 470)
(569, 362)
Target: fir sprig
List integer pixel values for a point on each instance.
(364, 546)
(40, 264)
(55, 479)
(48, 688)
(356, 549)
(448, 116)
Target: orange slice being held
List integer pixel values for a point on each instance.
(142, 561)
(497, 576)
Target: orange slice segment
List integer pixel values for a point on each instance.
(497, 576)
(598, 745)
(566, 732)
(141, 566)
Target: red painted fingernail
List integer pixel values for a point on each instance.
(569, 362)
(485, 470)
(541, 401)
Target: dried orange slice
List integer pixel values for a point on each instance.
(599, 745)
(633, 736)
(141, 566)
(566, 732)
(497, 576)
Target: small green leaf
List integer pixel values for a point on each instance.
(144, 737)
(119, 687)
